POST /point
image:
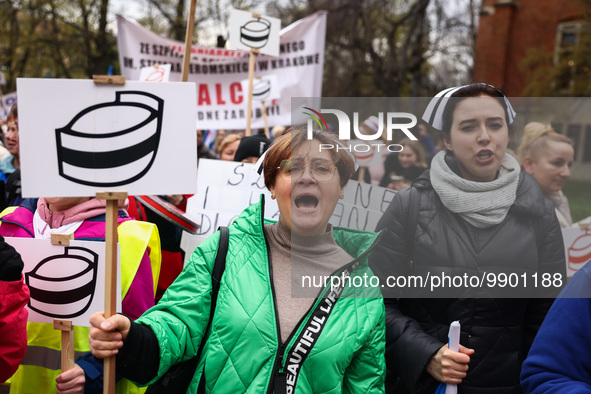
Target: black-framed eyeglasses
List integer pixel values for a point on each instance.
(320, 170)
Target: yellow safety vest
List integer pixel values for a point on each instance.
(42, 363)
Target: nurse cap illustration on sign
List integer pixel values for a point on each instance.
(90, 151)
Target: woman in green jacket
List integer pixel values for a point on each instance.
(274, 329)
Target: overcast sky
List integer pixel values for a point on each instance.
(135, 9)
(128, 8)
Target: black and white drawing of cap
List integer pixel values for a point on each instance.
(63, 286)
(265, 88)
(90, 151)
(261, 89)
(255, 33)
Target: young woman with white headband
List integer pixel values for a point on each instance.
(473, 213)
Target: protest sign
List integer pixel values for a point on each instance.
(224, 190)
(155, 73)
(259, 35)
(264, 88)
(218, 72)
(577, 247)
(254, 31)
(365, 154)
(66, 282)
(362, 206)
(78, 138)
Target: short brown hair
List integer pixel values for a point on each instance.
(282, 147)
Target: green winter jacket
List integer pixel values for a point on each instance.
(243, 352)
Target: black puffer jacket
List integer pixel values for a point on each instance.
(500, 330)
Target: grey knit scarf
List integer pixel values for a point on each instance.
(482, 204)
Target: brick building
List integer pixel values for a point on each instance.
(508, 31)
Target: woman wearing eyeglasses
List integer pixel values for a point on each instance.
(275, 328)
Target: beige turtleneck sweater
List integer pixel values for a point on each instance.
(292, 257)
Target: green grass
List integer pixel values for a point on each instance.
(579, 199)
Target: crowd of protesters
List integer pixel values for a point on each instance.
(468, 207)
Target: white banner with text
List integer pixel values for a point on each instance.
(218, 72)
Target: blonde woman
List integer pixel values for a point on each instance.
(547, 156)
(405, 166)
(228, 147)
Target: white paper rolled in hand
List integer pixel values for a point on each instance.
(453, 342)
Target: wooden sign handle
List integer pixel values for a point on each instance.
(253, 53)
(189, 41)
(65, 326)
(112, 199)
(62, 238)
(265, 119)
(67, 329)
(109, 79)
(361, 177)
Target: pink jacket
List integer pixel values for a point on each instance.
(13, 326)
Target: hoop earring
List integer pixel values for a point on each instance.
(342, 196)
(272, 195)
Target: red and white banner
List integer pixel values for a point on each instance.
(221, 100)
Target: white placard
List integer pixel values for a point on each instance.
(225, 189)
(155, 73)
(78, 138)
(577, 248)
(221, 100)
(66, 282)
(263, 88)
(362, 206)
(254, 32)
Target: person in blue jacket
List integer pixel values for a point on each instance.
(559, 360)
